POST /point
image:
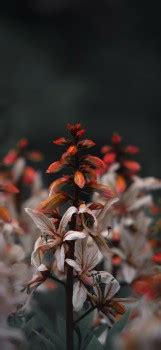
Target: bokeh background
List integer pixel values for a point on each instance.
(98, 62)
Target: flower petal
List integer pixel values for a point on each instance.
(72, 235)
(66, 218)
(42, 221)
(79, 295)
(60, 257)
(73, 264)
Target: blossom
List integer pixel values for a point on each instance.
(52, 237)
(86, 258)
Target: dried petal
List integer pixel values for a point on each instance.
(102, 189)
(72, 150)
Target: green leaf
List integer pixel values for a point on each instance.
(116, 330)
(94, 344)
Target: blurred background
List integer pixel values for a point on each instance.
(97, 62)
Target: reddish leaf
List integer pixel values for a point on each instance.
(9, 188)
(116, 138)
(106, 149)
(110, 158)
(5, 215)
(35, 156)
(53, 201)
(80, 133)
(74, 128)
(61, 141)
(96, 206)
(131, 149)
(120, 184)
(29, 175)
(94, 161)
(10, 157)
(86, 143)
(72, 150)
(79, 179)
(132, 165)
(22, 143)
(58, 184)
(55, 167)
(102, 189)
(157, 258)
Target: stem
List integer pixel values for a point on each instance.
(69, 282)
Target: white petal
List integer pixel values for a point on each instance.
(18, 169)
(42, 268)
(128, 273)
(42, 221)
(79, 295)
(112, 285)
(73, 264)
(60, 257)
(107, 206)
(141, 202)
(66, 219)
(72, 235)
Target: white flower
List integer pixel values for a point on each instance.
(86, 258)
(57, 236)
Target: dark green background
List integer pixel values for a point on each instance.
(98, 62)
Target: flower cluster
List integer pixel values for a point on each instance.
(117, 159)
(75, 239)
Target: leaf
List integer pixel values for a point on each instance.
(9, 188)
(61, 141)
(110, 158)
(116, 138)
(86, 143)
(116, 330)
(53, 201)
(58, 184)
(131, 165)
(79, 179)
(96, 162)
(55, 167)
(94, 345)
(5, 215)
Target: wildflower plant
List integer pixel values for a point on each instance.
(71, 243)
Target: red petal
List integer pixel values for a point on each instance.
(106, 149)
(35, 156)
(116, 138)
(132, 165)
(23, 143)
(131, 149)
(120, 184)
(157, 258)
(29, 175)
(110, 158)
(10, 157)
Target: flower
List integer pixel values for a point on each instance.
(53, 238)
(86, 258)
